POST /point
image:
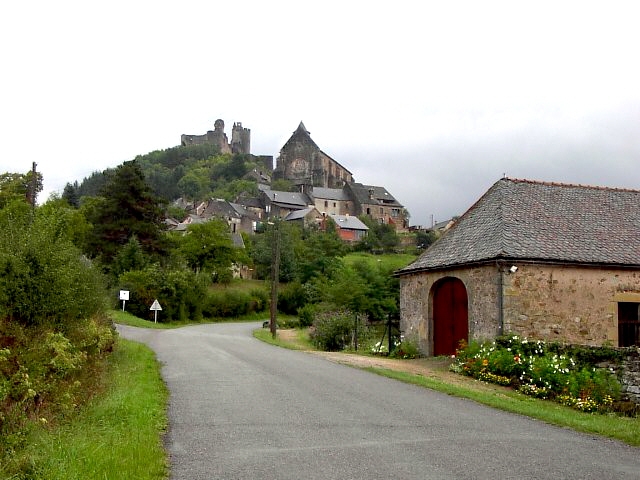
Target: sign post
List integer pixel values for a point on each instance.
(155, 307)
(124, 296)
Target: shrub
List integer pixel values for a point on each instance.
(306, 314)
(406, 349)
(291, 297)
(332, 330)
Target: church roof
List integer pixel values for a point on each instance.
(542, 222)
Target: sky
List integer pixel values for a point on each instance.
(435, 101)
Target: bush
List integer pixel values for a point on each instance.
(306, 314)
(291, 298)
(332, 330)
(44, 278)
(406, 349)
(229, 303)
(46, 372)
(179, 291)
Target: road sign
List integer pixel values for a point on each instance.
(155, 307)
(124, 296)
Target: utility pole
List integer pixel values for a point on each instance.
(275, 275)
(31, 189)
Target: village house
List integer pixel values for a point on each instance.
(546, 261)
(349, 228)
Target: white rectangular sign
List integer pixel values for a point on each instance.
(124, 294)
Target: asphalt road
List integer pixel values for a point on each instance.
(242, 409)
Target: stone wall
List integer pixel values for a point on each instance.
(416, 317)
(576, 305)
(630, 375)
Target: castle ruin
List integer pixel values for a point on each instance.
(240, 138)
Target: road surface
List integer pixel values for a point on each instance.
(242, 409)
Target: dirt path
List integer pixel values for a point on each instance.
(435, 368)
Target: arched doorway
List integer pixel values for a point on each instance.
(450, 315)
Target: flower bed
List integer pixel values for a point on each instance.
(567, 375)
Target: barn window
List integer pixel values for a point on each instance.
(628, 324)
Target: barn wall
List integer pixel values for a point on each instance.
(576, 305)
(571, 304)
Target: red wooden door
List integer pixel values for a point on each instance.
(450, 316)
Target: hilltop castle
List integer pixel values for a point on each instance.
(240, 138)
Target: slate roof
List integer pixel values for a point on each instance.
(299, 214)
(323, 193)
(288, 198)
(380, 195)
(544, 222)
(348, 222)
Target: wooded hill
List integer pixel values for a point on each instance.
(194, 172)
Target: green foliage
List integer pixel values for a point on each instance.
(306, 314)
(129, 208)
(45, 373)
(208, 247)
(70, 195)
(381, 237)
(425, 238)
(333, 330)
(291, 297)
(130, 257)
(179, 291)
(360, 287)
(44, 279)
(231, 303)
(117, 435)
(17, 186)
(406, 349)
(540, 370)
(261, 247)
(283, 185)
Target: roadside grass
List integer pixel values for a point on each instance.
(300, 342)
(118, 434)
(125, 318)
(624, 429)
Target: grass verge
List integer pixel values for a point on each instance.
(300, 342)
(116, 435)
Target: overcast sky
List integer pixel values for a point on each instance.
(433, 100)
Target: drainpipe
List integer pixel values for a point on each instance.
(500, 298)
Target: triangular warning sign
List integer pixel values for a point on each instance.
(156, 305)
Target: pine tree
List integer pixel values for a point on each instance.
(128, 208)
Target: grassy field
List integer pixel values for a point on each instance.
(117, 435)
(391, 261)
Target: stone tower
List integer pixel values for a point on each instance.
(240, 138)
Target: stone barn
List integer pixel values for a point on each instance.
(546, 261)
